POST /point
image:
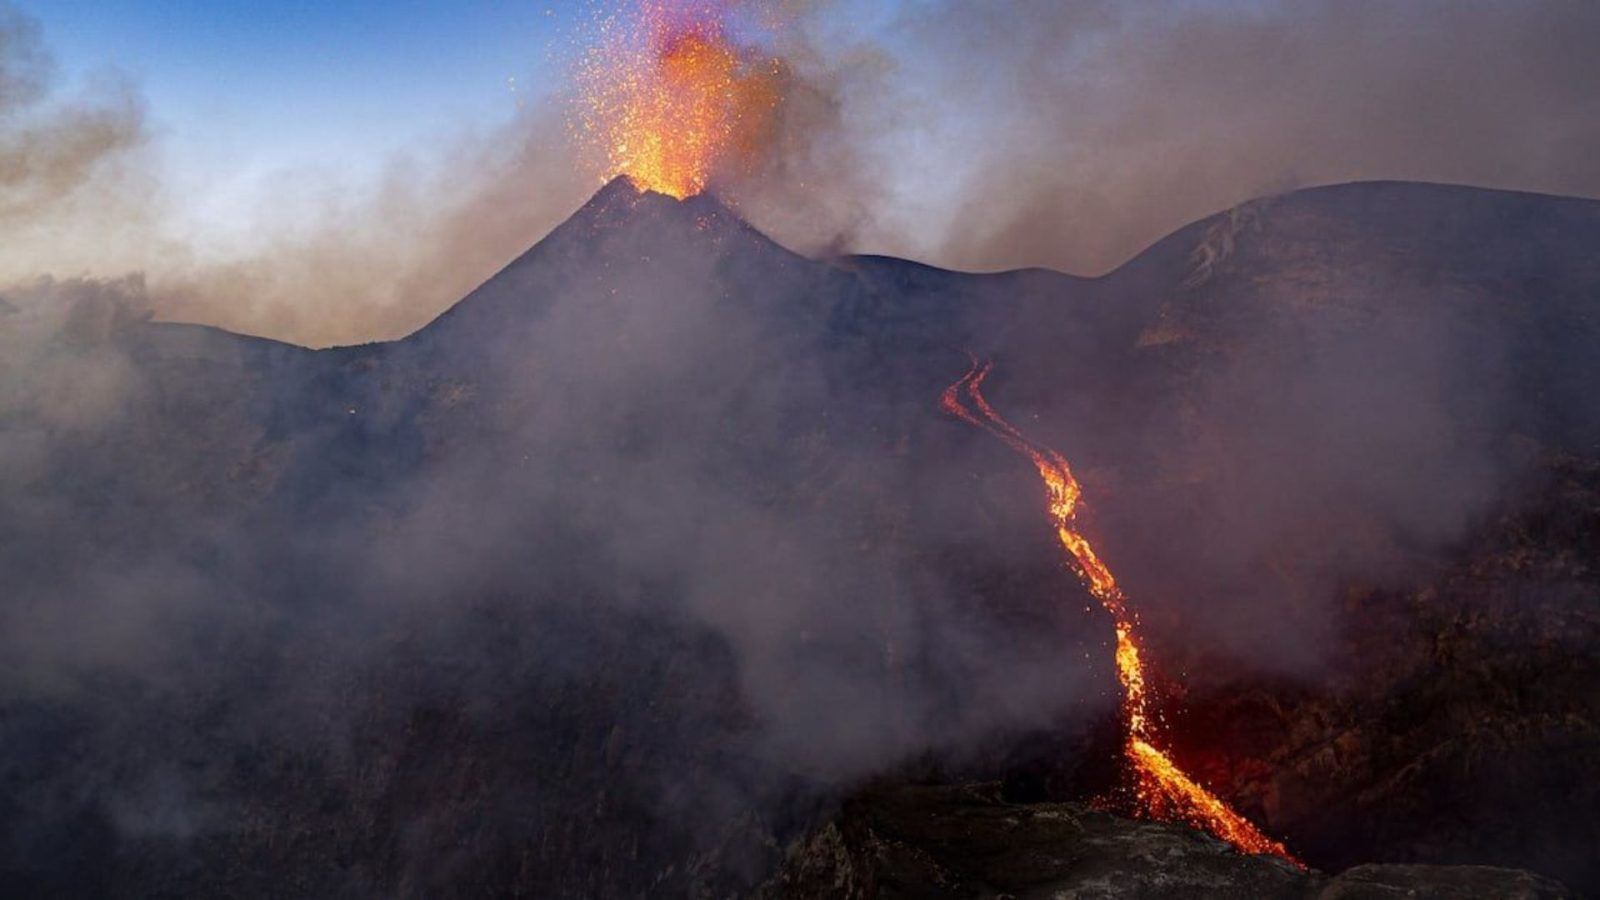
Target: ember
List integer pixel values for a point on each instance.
(668, 97)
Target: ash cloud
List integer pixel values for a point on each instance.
(1061, 135)
(212, 543)
(63, 153)
(345, 265)
(1089, 129)
(87, 190)
(1072, 135)
(618, 518)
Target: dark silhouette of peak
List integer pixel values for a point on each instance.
(622, 205)
(617, 202)
(622, 242)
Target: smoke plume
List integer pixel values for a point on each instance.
(1060, 135)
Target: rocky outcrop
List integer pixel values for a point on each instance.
(965, 842)
(1457, 719)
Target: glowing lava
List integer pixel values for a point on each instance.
(668, 97)
(1163, 791)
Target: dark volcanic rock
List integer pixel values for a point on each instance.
(1438, 883)
(547, 598)
(963, 841)
(1459, 718)
(609, 579)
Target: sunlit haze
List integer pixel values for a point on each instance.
(337, 173)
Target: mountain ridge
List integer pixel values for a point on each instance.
(620, 194)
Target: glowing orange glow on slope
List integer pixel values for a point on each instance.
(1163, 791)
(668, 98)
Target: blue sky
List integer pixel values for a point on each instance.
(265, 84)
(256, 84)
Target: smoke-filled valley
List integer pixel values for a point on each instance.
(617, 575)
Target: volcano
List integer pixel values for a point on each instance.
(653, 566)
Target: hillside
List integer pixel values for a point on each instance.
(619, 575)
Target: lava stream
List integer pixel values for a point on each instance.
(1163, 790)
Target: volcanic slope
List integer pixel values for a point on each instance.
(608, 579)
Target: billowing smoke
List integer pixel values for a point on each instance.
(632, 519)
(1071, 135)
(345, 265)
(87, 189)
(1059, 135)
(71, 161)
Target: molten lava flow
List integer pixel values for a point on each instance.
(668, 97)
(1163, 791)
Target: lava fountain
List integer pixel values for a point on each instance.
(668, 95)
(1162, 790)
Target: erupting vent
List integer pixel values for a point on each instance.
(668, 97)
(1163, 791)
